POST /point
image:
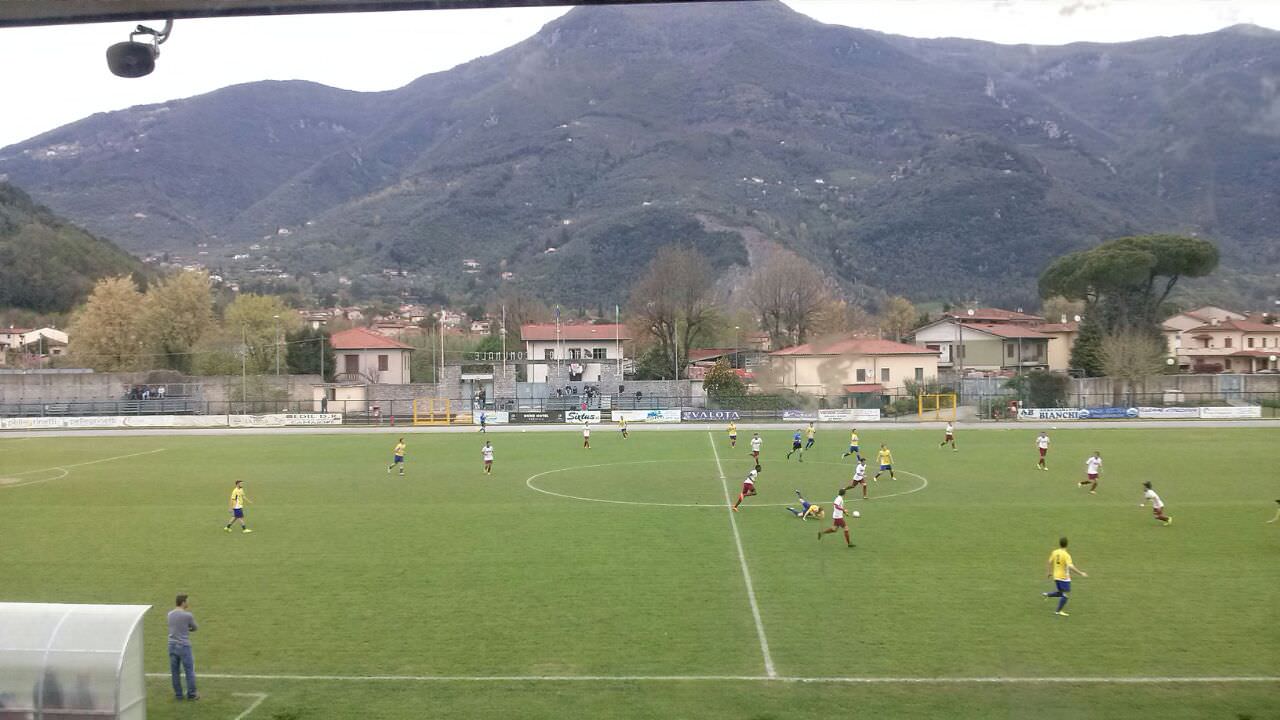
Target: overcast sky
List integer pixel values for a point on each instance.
(55, 75)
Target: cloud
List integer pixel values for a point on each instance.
(1079, 5)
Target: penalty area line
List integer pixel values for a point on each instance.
(258, 698)
(994, 680)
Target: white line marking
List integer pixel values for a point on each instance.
(260, 697)
(992, 680)
(742, 559)
(924, 483)
(65, 471)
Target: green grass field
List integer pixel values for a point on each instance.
(638, 608)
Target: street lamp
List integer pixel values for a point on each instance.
(737, 341)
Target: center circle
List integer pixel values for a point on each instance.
(709, 484)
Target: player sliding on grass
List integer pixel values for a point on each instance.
(733, 434)
(238, 501)
(886, 462)
(1092, 469)
(748, 486)
(806, 510)
(1060, 569)
(837, 519)
(1042, 443)
(853, 445)
(1277, 517)
(1157, 505)
(949, 436)
(486, 452)
(859, 478)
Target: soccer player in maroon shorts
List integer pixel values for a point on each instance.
(748, 486)
(837, 519)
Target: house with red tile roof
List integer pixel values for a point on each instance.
(363, 355)
(1232, 346)
(826, 367)
(1011, 345)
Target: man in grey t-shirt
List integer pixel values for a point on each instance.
(181, 624)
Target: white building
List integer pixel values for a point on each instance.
(583, 349)
(365, 356)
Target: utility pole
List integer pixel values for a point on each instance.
(277, 319)
(244, 357)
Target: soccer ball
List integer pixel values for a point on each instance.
(857, 514)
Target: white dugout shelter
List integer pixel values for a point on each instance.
(71, 661)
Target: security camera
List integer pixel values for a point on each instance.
(134, 59)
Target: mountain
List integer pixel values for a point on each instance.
(46, 263)
(942, 169)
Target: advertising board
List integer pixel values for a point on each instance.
(1108, 413)
(849, 415)
(648, 416)
(537, 418)
(1169, 413)
(1050, 414)
(710, 415)
(581, 416)
(1231, 413)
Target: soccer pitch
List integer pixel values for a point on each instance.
(614, 582)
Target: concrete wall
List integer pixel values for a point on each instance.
(45, 388)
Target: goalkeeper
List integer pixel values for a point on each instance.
(806, 510)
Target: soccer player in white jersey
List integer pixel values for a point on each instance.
(1157, 505)
(949, 436)
(1042, 443)
(837, 519)
(1092, 470)
(487, 453)
(586, 435)
(756, 442)
(748, 486)
(859, 477)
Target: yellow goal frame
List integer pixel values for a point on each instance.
(941, 405)
(432, 411)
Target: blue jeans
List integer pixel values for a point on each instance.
(180, 655)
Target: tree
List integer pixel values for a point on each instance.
(1086, 352)
(899, 317)
(1130, 356)
(302, 354)
(1129, 280)
(175, 314)
(788, 294)
(1058, 307)
(106, 334)
(519, 308)
(672, 303)
(722, 382)
(1041, 388)
(256, 319)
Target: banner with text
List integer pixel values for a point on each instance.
(799, 415)
(493, 417)
(710, 415)
(1050, 414)
(849, 415)
(1108, 413)
(581, 416)
(1231, 413)
(538, 418)
(648, 416)
(1169, 413)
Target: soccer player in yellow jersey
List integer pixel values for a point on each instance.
(622, 425)
(886, 462)
(853, 446)
(238, 500)
(397, 457)
(1060, 569)
(810, 433)
(733, 434)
